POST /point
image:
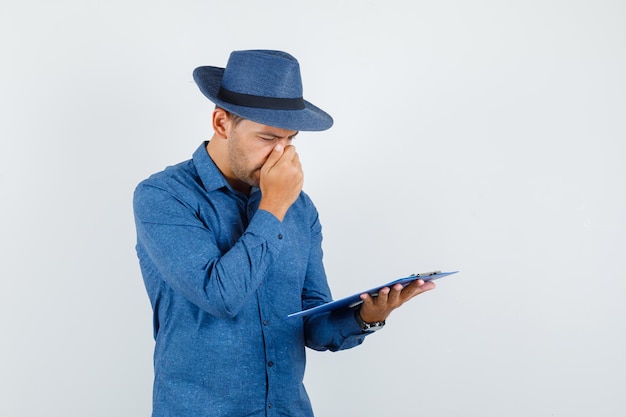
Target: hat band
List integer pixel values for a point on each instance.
(260, 102)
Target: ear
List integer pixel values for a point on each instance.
(221, 123)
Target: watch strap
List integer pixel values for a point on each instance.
(365, 326)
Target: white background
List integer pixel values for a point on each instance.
(486, 137)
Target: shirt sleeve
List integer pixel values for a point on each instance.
(336, 330)
(185, 254)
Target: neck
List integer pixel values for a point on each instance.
(219, 154)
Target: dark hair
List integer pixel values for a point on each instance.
(235, 118)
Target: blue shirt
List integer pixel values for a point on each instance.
(222, 277)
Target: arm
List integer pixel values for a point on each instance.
(335, 330)
(218, 277)
(338, 329)
(188, 258)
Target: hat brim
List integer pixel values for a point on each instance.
(311, 118)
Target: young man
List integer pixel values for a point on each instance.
(229, 245)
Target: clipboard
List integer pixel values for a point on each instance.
(355, 299)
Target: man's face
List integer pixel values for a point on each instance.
(249, 145)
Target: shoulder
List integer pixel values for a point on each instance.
(173, 178)
(177, 182)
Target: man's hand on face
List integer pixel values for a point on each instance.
(281, 180)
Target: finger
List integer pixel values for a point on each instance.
(394, 295)
(427, 286)
(367, 299)
(424, 285)
(383, 296)
(289, 155)
(296, 158)
(416, 288)
(296, 162)
(274, 156)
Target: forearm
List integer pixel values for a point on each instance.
(337, 330)
(232, 279)
(218, 281)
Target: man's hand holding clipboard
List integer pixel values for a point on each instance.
(380, 301)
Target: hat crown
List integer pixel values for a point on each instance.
(264, 86)
(263, 73)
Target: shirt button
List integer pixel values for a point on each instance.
(269, 405)
(266, 322)
(280, 236)
(270, 364)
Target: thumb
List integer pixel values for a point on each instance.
(274, 156)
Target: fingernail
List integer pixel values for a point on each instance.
(279, 148)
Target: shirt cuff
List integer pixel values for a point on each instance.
(265, 225)
(347, 322)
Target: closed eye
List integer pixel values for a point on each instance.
(267, 138)
(271, 137)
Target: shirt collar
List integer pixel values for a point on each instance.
(209, 173)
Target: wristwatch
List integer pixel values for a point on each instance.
(365, 326)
